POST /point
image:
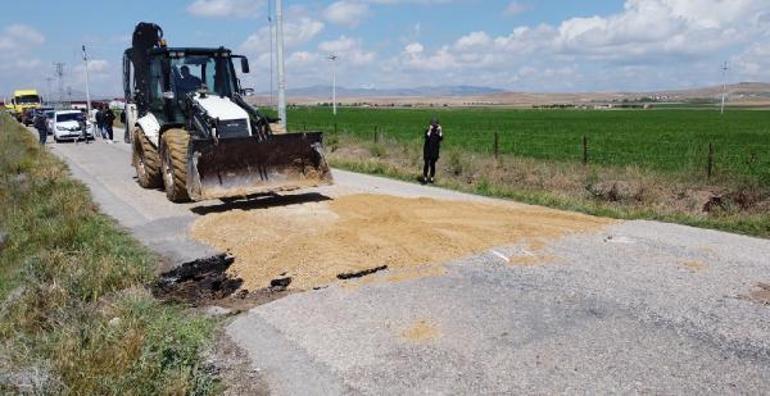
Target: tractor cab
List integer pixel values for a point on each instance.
(175, 74)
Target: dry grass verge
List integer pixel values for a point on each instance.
(75, 317)
(725, 203)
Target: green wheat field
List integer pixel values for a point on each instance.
(664, 140)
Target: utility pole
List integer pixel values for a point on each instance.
(724, 86)
(88, 91)
(272, 51)
(279, 53)
(333, 58)
(60, 76)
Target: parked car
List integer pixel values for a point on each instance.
(66, 126)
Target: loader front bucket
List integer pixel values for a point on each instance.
(238, 167)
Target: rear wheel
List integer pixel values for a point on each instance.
(146, 161)
(174, 146)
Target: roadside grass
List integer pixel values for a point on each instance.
(731, 203)
(75, 316)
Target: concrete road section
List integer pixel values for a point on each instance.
(633, 307)
(106, 170)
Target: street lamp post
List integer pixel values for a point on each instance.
(724, 87)
(333, 58)
(279, 56)
(88, 91)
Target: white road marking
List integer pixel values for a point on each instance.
(527, 253)
(502, 256)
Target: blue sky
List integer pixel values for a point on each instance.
(526, 45)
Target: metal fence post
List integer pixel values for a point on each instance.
(497, 144)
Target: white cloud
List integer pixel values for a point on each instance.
(348, 50)
(753, 63)
(19, 44)
(348, 13)
(95, 67)
(225, 8)
(296, 32)
(648, 42)
(301, 58)
(414, 49)
(516, 8)
(472, 41)
(18, 36)
(411, 1)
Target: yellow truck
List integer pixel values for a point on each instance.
(22, 100)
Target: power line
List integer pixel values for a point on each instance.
(48, 92)
(59, 70)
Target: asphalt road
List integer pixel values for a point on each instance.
(639, 307)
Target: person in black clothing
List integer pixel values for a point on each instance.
(108, 118)
(40, 123)
(430, 150)
(100, 122)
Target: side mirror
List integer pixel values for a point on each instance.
(247, 92)
(245, 65)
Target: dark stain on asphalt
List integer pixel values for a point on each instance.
(206, 281)
(761, 294)
(361, 274)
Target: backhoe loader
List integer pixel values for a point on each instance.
(193, 133)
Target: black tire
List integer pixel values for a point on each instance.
(174, 146)
(146, 161)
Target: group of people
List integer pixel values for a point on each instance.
(102, 115)
(104, 118)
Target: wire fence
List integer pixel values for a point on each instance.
(700, 156)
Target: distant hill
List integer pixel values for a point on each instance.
(324, 91)
(744, 93)
(740, 90)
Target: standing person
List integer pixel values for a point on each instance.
(430, 150)
(126, 129)
(108, 118)
(42, 127)
(83, 122)
(92, 115)
(100, 122)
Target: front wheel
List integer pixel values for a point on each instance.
(146, 161)
(174, 147)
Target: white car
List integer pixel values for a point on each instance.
(66, 125)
